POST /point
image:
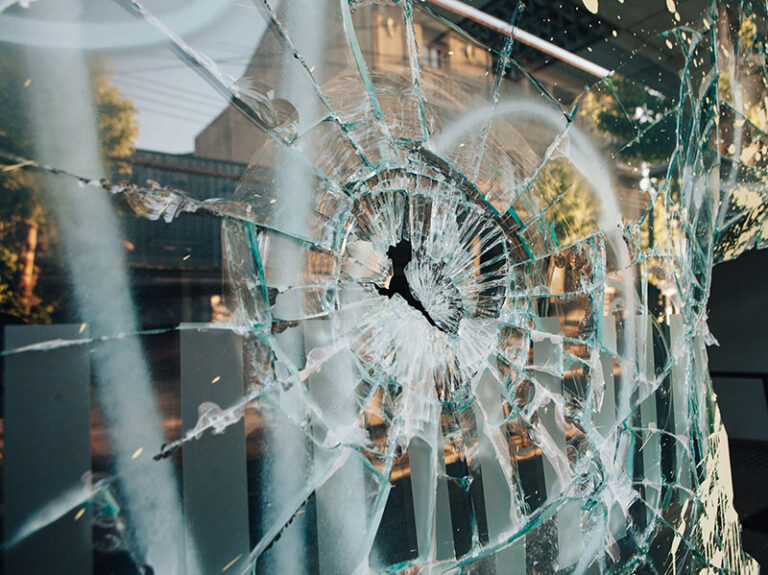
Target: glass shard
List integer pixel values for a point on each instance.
(388, 287)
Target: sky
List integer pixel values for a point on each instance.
(174, 103)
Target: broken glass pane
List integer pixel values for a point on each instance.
(356, 286)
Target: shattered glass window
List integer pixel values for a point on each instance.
(372, 286)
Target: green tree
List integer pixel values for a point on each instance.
(567, 200)
(635, 119)
(27, 230)
(116, 116)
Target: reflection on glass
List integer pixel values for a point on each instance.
(371, 287)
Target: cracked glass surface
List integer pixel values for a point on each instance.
(466, 281)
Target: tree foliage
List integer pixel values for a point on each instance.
(636, 119)
(116, 117)
(27, 230)
(567, 200)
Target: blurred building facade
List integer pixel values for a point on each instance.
(176, 267)
(383, 43)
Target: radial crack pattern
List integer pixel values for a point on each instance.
(463, 326)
